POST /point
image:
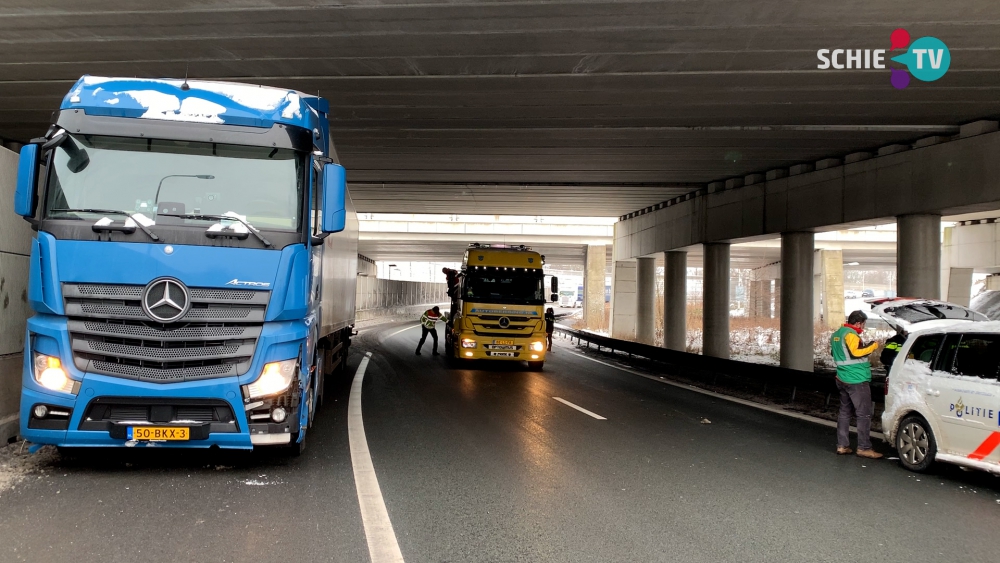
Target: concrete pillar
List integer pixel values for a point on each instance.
(593, 287)
(645, 300)
(797, 301)
(715, 322)
(918, 256)
(960, 286)
(623, 300)
(675, 300)
(832, 286)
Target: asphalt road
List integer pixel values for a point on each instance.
(481, 463)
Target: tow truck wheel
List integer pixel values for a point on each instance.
(916, 444)
(535, 366)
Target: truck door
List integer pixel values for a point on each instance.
(964, 392)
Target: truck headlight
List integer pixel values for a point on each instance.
(50, 374)
(274, 378)
(468, 343)
(537, 346)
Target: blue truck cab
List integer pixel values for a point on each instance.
(194, 266)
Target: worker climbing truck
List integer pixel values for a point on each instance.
(193, 269)
(498, 305)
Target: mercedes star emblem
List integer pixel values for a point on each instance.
(165, 300)
(504, 322)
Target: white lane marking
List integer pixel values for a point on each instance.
(579, 408)
(760, 406)
(382, 544)
(402, 330)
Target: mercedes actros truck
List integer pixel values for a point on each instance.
(193, 268)
(498, 305)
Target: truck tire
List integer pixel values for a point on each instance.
(535, 366)
(915, 444)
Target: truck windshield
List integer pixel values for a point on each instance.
(262, 184)
(505, 285)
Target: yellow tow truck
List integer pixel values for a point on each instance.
(498, 304)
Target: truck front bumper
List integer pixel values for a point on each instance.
(530, 349)
(105, 411)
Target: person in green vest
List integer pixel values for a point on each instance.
(854, 376)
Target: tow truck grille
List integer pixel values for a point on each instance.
(111, 335)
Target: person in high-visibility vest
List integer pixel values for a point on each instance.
(854, 376)
(428, 321)
(891, 349)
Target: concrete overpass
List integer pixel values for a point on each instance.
(587, 108)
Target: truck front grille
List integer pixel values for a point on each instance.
(110, 334)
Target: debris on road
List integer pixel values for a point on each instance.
(16, 463)
(706, 421)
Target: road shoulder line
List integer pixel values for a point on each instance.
(783, 412)
(382, 544)
(579, 408)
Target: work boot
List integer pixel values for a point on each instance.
(435, 353)
(844, 450)
(418, 352)
(870, 454)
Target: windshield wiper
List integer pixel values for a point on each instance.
(249, 227)
(111, 212)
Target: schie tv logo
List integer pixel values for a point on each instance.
(927, 58)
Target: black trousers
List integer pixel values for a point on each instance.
(423, 336)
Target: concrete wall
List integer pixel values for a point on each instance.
(15, 244)
(950, 177)
(378, 293)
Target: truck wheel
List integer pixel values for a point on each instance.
(916, 444)
(535, 366)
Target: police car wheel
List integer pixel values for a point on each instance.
(915, 444)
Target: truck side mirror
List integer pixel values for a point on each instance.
(27, 181)
(334, 198)
(554, 287)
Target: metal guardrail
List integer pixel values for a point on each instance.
(708, 369)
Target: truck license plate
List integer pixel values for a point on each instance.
(507, 342)
(504, 354)
(503, 347)
(158, 433)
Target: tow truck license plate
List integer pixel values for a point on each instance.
(507, 342)
(158, 433)
(503, 354)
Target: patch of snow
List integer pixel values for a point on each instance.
(112, 101)
(169, 108)
(292, 109)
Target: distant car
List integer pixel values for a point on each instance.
(942, 387)
(851, 294)
(867, 293)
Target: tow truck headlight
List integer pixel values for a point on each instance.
(468, 343)
(537, 346)
(50, 374)
(274, 378)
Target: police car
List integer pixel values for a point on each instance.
(942, 392)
